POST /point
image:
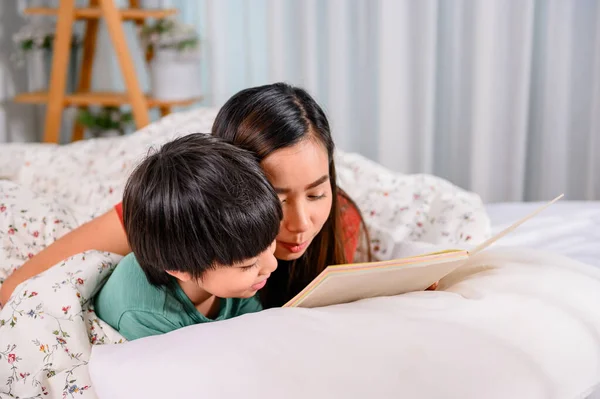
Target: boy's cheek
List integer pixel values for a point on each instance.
(232, 286)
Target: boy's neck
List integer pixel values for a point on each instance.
(205, 302)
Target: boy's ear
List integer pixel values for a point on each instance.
(182, 276)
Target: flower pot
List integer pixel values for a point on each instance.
(38, 72)
(39, 67)
(175, 75)
(149, 4)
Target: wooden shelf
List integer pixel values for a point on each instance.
(56, 99)
(96, 12)
(100, 98)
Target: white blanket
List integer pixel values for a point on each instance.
(511, 324)
(48, 328)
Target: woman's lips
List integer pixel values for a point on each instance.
(294, 247)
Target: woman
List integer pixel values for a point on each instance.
(289, 133)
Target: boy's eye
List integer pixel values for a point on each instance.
(246, 268)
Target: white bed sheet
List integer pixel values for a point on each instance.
(570, 228)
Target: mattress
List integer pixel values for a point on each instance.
(570, 228)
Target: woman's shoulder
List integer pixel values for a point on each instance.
(351, 220)
(349, 211)
(119, 209)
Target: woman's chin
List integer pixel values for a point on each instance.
(284, 254)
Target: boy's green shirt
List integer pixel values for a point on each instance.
(137, 309)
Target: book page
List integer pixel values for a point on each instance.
(344, 285)
(351, 282)
(512, 227)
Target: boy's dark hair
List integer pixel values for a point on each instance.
(196, 202)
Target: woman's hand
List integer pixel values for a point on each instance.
(432, 287)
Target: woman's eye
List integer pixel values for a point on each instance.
(316, 197)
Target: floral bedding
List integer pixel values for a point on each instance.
(48, 327)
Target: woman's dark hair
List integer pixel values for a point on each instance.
(195, 203)
(268, 118)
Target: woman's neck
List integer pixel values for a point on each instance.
(205, 302)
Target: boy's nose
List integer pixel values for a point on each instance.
(270, 264)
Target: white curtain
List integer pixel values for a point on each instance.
(499, 96)
(18, 122)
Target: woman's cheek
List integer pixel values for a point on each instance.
(324, 211)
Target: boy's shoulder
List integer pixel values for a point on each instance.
(127, 289)
(128, 267)
(241, 306)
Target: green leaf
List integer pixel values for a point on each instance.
(27, 45)
(85, 118)
(127, 117)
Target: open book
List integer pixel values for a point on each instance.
(351, 282)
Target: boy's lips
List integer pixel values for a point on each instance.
(260, 285)
(294, 247)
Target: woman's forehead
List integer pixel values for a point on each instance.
(298, 165)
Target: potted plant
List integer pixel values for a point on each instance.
(174, 49)
(105, 121)
(33, 45)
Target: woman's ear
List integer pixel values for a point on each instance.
(181, 276)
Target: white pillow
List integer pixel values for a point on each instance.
(352, 351)
(501, 329)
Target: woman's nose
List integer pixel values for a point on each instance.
(296, 219)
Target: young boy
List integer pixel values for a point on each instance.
(201, 219)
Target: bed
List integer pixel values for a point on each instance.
(514, 322)
(519, 328)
